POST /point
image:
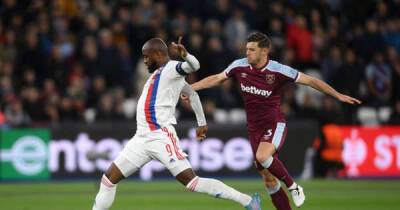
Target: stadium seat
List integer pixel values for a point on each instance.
(90, 115)
(129, 107)
(237, 116)
(384, 114)
(368, 116)
(221, 116)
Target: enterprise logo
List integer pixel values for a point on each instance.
(256, 91)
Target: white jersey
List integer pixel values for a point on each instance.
(157, 103)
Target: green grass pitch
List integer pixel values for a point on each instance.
(169, 195)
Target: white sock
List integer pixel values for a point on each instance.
(217, 189)
(267, 163)
(105, 196)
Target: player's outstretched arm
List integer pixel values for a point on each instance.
(191, 63)
(325, 88)
(210, 81)
(195, 103)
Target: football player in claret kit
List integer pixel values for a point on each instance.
(261, 81)
(155, 137)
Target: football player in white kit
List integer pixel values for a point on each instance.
(156, 139)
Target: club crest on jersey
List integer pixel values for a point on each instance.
(270, 78)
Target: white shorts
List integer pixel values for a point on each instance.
(161, 145)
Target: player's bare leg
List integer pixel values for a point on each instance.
(108, 187)
(274, 189)
(265, 156)
(217, 189)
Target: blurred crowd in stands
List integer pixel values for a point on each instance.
(80, 60)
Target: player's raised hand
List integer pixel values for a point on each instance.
(201, 132)
(180, 48)
(348, 99)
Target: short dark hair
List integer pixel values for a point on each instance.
(262, 39)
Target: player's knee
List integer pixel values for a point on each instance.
(261, 157)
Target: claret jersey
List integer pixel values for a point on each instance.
(261, 90)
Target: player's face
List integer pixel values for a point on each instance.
(149, 58)
(253, 53)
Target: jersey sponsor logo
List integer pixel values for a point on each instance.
(270, 78)
(255, 91)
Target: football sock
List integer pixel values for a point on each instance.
(276, 167)
(105, 196)
(281, 200)
(217, 189)
(279, 197)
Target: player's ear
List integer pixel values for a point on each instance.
(158, 54)
(264, 50)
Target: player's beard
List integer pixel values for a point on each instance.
(152, 67)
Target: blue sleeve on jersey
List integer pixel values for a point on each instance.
(179, 69)
(234, 64)
(283, 69)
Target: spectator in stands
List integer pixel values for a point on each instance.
(89, 57)
(6, 90)
(58, 68)
(392, 33)
(300, 39)
(32, 103)
(236, 30)
(50, 93)
(372, 40)
(8, 49)
(277, 37)
(51, 113)
(379, 81)
(348, 81)
(330, 66)
(105, 109)
(29, 78)
(42, 42)
(67, 111)
(109, 62)
(15, 115)
(126, 77)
